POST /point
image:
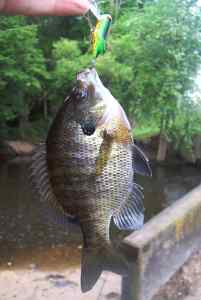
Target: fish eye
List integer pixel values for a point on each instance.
(82, 94)
(79, 92)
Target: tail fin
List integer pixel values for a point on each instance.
(91, 268)
(94, 261)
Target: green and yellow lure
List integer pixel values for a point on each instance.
(100, 33)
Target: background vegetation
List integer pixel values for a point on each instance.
(152, 59)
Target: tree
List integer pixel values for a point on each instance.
(22, 70)
(161, 45)
(67, 62)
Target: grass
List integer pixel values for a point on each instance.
(145, 132)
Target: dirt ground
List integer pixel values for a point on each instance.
(34, 284)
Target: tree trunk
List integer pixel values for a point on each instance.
(24, 121)
(115, 4)
(45, 109)
(162, 148)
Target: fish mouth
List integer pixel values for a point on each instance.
(83, 74)
(86, 77)
(81, 89)
(81, 85)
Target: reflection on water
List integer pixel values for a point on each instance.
(29, 235)
(29, 231)
(167, 185)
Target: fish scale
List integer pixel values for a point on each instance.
(87, 167)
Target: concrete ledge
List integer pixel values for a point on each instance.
(163, 245)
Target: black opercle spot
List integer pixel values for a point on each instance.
(88, 127)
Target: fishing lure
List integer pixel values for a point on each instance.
(100, 33)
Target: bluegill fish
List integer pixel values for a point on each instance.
(87, 166)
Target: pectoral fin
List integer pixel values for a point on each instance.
(140, 162)
(131, 214)
(104, 152)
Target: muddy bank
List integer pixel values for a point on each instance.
(12, 149)
(173, 156)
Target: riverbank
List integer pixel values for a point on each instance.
(18, 149)
(12, 149)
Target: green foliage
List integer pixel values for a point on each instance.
(22, 68)
(150, 65)
(146, 131)
(116, 76)
(187, 124)
(68, 61)
(160, 45)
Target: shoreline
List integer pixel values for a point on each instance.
(21, 150)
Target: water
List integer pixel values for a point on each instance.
(167, 185)
(30, 235)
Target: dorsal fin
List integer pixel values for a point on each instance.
(141, 162)
(41, 185)
(131, 214)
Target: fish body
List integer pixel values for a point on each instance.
(89, 169)
(100, 33)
